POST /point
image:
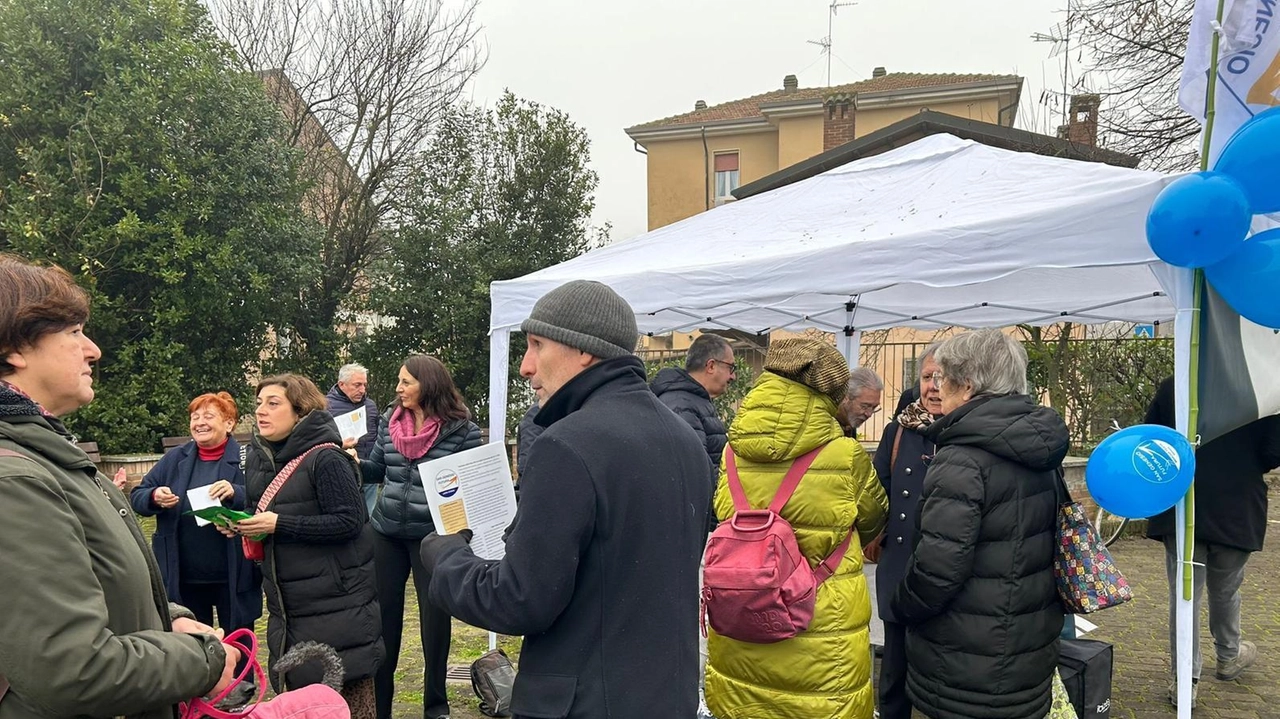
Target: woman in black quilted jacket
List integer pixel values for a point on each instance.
(978, 597)
(429, 420)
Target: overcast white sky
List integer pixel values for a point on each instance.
(612, 64)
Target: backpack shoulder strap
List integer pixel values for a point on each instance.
(739, 496)
(792, 480)
(828, 566)
(789, 483)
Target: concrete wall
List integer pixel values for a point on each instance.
(678, 171)
(799, 138)
(868, 121)
(677, 181)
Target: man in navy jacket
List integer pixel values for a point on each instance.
(601, 566)
(348, 395)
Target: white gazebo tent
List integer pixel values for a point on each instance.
(941, 232)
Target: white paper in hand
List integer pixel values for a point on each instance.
(472, 490)
(353, 425)
(200, 499)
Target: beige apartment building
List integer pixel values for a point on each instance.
(700, 159)
(697, 159)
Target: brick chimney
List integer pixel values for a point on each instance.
(790, 83)
(837, 121)
(700, 105)
(1082, 128)
(879, 72)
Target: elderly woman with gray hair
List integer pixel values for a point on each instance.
(978, 597)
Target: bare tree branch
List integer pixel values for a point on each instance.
(363, 84)
(1136, 50)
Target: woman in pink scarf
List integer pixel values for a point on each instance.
(429, 420)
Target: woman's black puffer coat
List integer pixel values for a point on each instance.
(979, 600)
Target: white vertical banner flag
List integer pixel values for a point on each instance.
(1248, 80)
(1237, 356)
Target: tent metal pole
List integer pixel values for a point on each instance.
(499, 354)
(851, 343)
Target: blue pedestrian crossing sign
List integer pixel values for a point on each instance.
(1144, 331)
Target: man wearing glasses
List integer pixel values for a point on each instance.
(862, 400)
(708, 369)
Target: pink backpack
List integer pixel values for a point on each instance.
(757, 586)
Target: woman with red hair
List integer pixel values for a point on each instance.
(202, 569)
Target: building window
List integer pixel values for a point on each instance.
(726, 174)
(910, 372)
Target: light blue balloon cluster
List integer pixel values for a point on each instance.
(1203, 220)
(1140, 471)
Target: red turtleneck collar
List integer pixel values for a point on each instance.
(213, 453)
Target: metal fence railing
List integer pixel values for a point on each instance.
(1091, 381)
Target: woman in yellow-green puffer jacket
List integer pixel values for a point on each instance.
(826, 670)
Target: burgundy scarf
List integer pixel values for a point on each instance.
(412, 446)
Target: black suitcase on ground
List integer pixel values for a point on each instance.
(1085, 666)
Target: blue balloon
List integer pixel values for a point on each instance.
(1249, 279)
(1140, 471)
(1198, 220)
(1252, 158)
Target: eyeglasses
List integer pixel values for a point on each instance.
(733, 366)
(867, 408)
(935, 379)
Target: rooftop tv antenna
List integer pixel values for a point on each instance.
(825, 43)
(1060, 37)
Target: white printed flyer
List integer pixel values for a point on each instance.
(472, 490)
(352, 425)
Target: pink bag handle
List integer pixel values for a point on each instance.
(247, 643)
(286, 473)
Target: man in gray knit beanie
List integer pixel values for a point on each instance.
(587, 316)
(601, 566)
(580, 315)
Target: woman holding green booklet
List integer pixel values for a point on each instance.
(316, 546)
(202, 569)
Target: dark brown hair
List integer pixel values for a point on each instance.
(35, 301)
(438, 396)
(301, 392)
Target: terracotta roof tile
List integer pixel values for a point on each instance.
(749, 107)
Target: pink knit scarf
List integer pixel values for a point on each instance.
(412, 446)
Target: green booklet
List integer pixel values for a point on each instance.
(223, 517)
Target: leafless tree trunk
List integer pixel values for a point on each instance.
(1135, 52)
(362, 84)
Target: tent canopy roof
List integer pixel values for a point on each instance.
(940, 232)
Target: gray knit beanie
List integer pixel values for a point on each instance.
(587, 316)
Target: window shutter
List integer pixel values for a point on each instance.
(727, 162)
